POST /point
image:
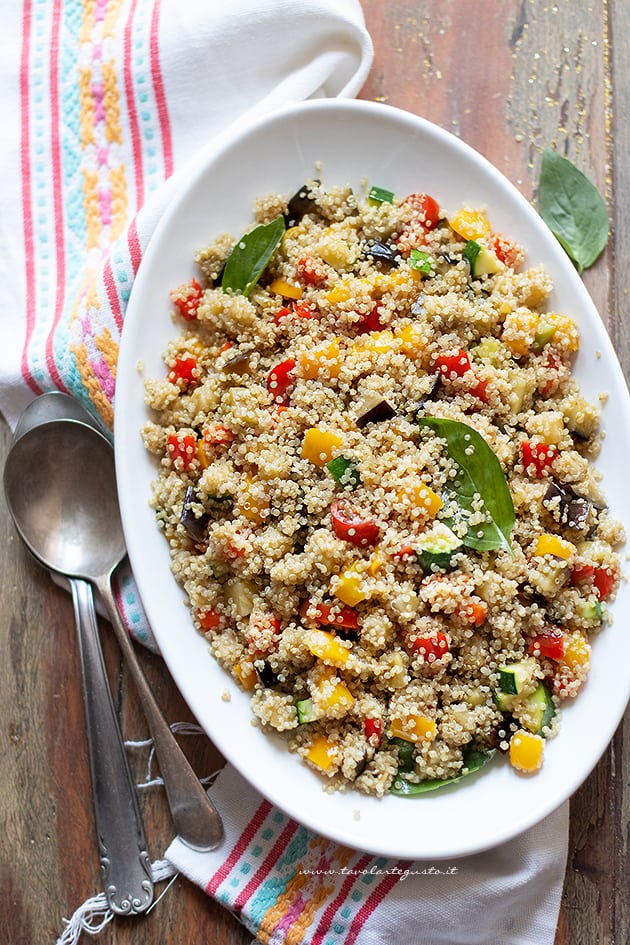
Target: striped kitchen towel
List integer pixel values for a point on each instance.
(290, 886)
(103, 101)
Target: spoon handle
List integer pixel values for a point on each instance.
(195, 817)
(122, 845)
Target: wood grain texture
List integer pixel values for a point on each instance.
(515, 77)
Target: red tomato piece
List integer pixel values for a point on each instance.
(433, 646)
(582, 572)
(182, 449)
(186, 299)
(280, 379)
(185, 371)
(480, 390)
(310, 270)
(604, 580)
(349, 526)
(216, 434)
(549, 643)
(428, 209)
(331, 615)
(209, 619)
(474, 611)
(373, 729)
(370, 322)
(537, 457)
(505, 249)
(453, 363)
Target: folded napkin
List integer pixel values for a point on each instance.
(105, 104)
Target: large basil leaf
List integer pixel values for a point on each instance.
(573, 209)
(473, 761)
(479, 474)
(249, 257)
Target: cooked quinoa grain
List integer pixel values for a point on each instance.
(376, 481)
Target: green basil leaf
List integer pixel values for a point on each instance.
(473, 761)
(470, 252)
(250, 256)
(573, 209)
(479, 474)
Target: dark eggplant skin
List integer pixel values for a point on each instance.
(376, 414)
(301, 203)
(195, 525)
(382, 252)
(572, 509)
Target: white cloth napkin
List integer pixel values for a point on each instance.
(104, 104)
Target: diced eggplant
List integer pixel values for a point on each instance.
(301, 203)
(267, 676)
(195, 525)
(418, 407)
(239, 364)
(374, 409)
(567, 507)
(382, 252)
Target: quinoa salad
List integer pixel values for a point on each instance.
(375, 476)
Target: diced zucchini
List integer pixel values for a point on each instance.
(516, 677)
(482, 260)
(437, 547)
(540, 709)
(534, 711)
(519, 388)
(544, 334)
(305, 711)
(380, 195)
(590, 610)
(344, 471)
(580, 417)
(489, 350)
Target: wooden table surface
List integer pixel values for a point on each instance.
(510, 77)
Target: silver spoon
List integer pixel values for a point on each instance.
(53, 518)
(61, 488)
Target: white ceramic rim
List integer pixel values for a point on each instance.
(488, 808)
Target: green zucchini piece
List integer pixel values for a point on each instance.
(305, 711)
(537, 706)
(381, 195)
(437, 547)
(514, 677)
(482, 261)
(473, 761)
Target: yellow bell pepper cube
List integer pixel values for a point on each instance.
(414, 728)
(348, 587)
(322, 753)
(565, 330)
(246, 675)
(288, 290)
(252, 501)
(423, 497)
(331, 696)
(519, 331)
(577, 651)
(526, 751)
(413, 340)
(470, 224)
(322, 359)
(376, 342)
(319, 446)
(325, 646)
(339, 293)
(547, 544)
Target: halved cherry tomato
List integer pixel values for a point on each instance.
(537, 457)
(182, 449)
(216, 434)
(349, 526)
(428, 209)
(185, 371)
(186, 299)
(280, 379)
(474, 611)
(373, 729)
(433, 646)
(331, 615)
(301, 309)
(549, 643)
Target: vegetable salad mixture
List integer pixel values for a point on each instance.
(375, 480)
